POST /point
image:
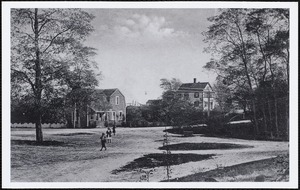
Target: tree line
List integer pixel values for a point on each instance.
(250, 54)
(170, 109)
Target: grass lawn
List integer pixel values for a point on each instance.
(273, 169)
(202, 146)
(55, 148)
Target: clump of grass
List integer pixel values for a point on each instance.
(203, 146)
(74, 134)
(270, 168)
(35, 143)
(156, 160)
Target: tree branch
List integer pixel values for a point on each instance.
(52, 40)
(26, 78)
(31, 19)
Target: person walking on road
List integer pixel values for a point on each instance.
(108, 134)
(103, 141)
(114, 130)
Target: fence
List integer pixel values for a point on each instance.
(32, 125)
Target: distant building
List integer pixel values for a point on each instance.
(200, 94)
(112, 110)
(134, 103)
(153, 102)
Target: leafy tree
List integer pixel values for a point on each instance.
(270, 30)
(46, 45)
(134, 115)
(170, 85)
(177, 111)
(232, 49)
(249, 47)
(222, 96)
(152, 112)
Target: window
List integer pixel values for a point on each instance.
(186, 96)
(196, 103)
(211, 105)
(120, 115)
(205, 104)
(208, 94)
(113, 115)
(196, 95)
(117, 100)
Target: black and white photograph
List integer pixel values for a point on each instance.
(150, 94)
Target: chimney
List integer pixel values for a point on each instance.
(195, 80)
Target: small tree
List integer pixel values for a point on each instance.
(167, 152)
(178, 112)
(170, 85)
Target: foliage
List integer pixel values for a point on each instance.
(242, 172)
(48, 55)
(178, 112)
(168, 153)
(170, 110)
(222, 97)
(23, 110)
(134, 116)
(170, 85)
(250, 48)
(283, 161)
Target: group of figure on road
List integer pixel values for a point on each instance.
(107, 138)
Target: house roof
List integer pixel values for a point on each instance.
(153, 101)
(106, 92)
(193, 86)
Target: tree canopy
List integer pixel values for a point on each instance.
(48, 55)
(249, 49)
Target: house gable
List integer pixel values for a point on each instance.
(199, 86)
(208, 88)
(117, 91)
(198, 93)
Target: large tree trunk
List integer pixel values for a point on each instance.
(276, 117)
(38, 83)
(288, 65)
(270, 116)
(246, 63)
(265, 118)
(255, 117)
(38, 128)
(287, 119)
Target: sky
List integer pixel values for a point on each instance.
(138, 47)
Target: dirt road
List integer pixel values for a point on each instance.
(83, 162)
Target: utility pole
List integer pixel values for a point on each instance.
(87, 117)
(75, 116)
(208, 93)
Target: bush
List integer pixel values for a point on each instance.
(92, 124)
